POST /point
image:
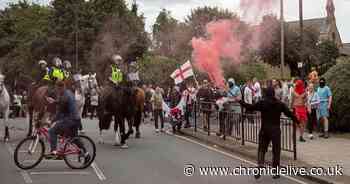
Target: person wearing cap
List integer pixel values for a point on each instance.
(234, 95)
(325, 96)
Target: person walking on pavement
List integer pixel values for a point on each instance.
(313, 106)
(188, 95)
(325, 96)
(271, 110)
(205, 96)
(299, 105)
(157, 103)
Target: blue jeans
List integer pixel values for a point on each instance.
(67, 127)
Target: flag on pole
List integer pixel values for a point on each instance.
(184, 72)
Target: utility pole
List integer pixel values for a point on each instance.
(302, 67)
(76, 36)
(282, 40)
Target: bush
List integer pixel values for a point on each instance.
(338, 78)
(261, 71)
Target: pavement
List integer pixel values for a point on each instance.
(155, 158)
(318, 152)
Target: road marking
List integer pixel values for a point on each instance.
(98, 171)
(60, 173)
(24, 173)
(26, 176)
(229, 155)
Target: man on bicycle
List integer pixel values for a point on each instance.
(67, 119)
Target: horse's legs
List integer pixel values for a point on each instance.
(124, 137)
(7, 132)
(100, 140)
(130, 125)
(118, 135)
(137, 123)
(30, 128)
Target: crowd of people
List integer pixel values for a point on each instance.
(310, 101)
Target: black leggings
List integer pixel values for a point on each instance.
(312, 120)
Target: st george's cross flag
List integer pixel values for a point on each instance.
(184, 72)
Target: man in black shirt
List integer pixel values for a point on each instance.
(271, 110)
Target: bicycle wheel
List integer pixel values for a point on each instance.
(29, 152)
(80, 152)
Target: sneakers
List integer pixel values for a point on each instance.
(52, 156)
(311, 136)
(326, 136)
(162, 130)
(124, 146)
(157, 130)
(301, 139)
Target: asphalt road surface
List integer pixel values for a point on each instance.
(155, 158)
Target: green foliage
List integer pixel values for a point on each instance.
(157, 69)
(270, 52)
(338, 78)
(328, 51)
(201, 16)
(29, 32)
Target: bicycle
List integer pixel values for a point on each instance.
(75, 146)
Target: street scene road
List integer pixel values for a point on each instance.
(155, 158)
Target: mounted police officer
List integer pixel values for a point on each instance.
(43, 77)
(56, 72)
(67, 66)
(115, 73)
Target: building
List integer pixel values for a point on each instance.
(326, 26)
(345, 50)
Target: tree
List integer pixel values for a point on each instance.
(337, 79)
(22, 25)
(200, 17)
(164, 33)
(328, 52)
(122, 32)
(157, 69)
(269, 50)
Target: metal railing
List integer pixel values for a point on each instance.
(239, 125)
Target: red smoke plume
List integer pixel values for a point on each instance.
(222, 42)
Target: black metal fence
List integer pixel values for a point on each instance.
(243, 126)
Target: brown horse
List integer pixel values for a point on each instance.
(38, 105)
(122, 104)
(140, 104)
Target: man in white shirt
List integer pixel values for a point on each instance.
(257, 90)
(248, 99)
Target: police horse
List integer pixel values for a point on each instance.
(122, 104)
(4, 107)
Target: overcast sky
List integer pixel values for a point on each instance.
(181, 8)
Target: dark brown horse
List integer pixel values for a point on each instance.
(122, 103)
(139, 108)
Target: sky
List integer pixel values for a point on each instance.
(181, 8)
